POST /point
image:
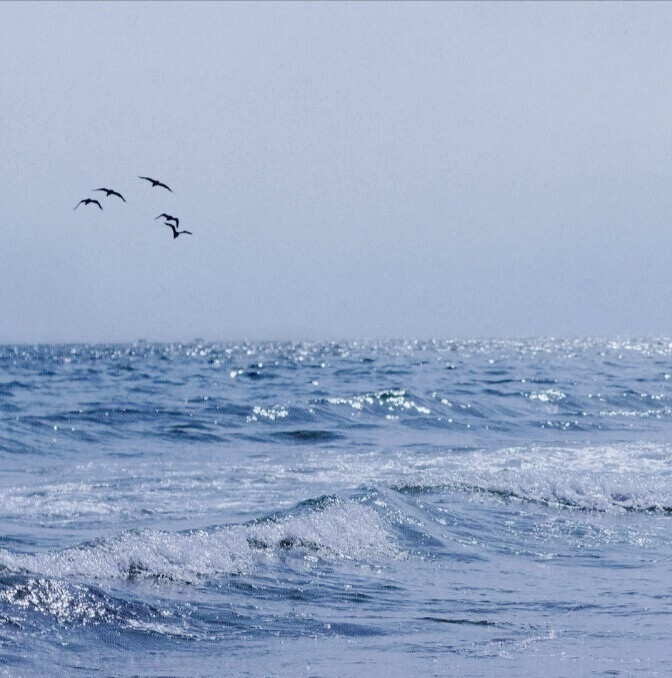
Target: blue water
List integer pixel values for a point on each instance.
(462, 508)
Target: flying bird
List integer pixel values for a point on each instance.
(176, 232)
(109, 192)
(88, 201)
(156, 182)
(169, 218)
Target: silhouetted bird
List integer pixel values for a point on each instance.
(88, 201)
(109, 192)
(176, 232)
(155, 182)
(169, 218)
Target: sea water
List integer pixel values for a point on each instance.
(429, 508)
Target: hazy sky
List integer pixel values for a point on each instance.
(348, 170)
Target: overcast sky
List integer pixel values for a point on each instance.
(347, 169)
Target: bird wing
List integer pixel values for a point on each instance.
(158, 183)
(102, 189)
(97, 203)
(78, 204)
(171, 226)
(146, 178)
(188, 232)
(118, 194)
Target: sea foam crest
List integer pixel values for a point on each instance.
(602, 478)
(343, 530)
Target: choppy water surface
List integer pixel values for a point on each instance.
(467, 508)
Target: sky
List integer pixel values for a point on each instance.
(348, 170)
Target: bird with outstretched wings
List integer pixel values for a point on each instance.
(109, 192)
(88, 201)
(168, 217)
(156, 182)
(176, 232)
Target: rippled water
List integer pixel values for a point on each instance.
(467, 508)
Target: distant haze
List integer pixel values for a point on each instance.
(348, 170)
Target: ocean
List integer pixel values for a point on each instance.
(355, 508)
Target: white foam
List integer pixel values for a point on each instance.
(605, 478)
(341, 531)
(552, 395)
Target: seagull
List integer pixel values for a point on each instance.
(156, 182)
(88, 201)
(169, 218)
(176, 232)
(109, 192)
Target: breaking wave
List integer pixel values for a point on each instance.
(332, 530)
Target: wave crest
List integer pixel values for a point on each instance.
(342, 530)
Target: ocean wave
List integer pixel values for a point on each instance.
(600, 478)
(340, 531)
